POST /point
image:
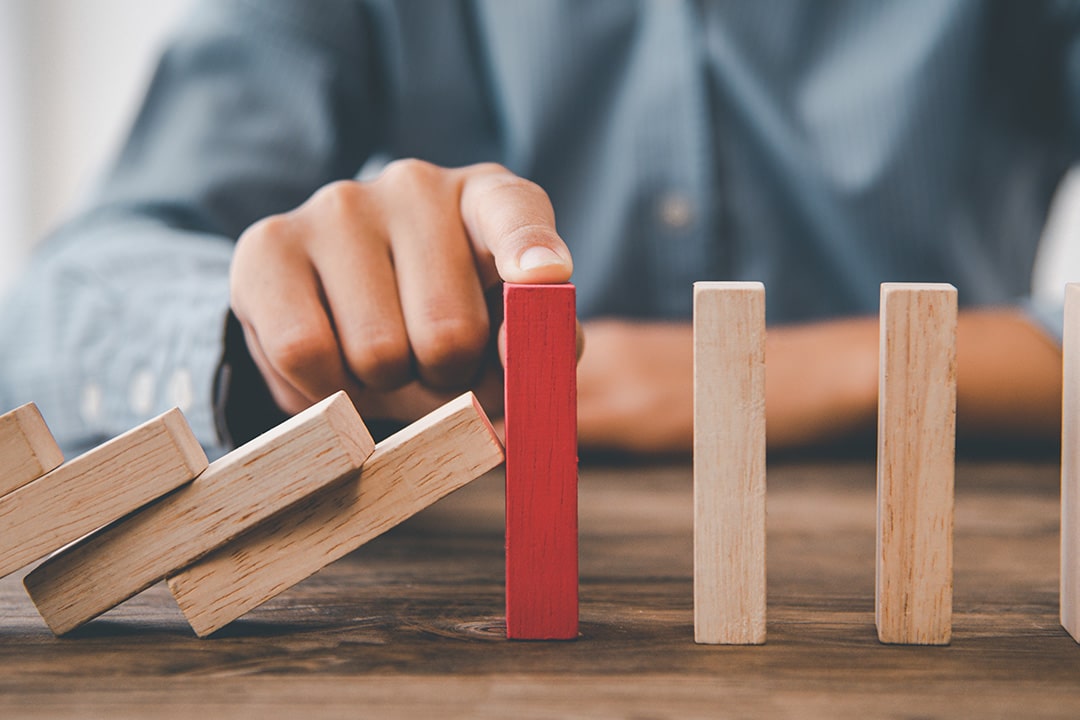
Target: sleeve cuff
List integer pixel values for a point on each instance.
(1047, 315)
(117, 328)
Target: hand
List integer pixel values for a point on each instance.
(379, 288)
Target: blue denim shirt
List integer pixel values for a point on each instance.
(821, 148)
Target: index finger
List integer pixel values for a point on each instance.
(512, 227)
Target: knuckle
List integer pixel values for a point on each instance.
(410, 172)
(378, 356)
(532, 208)
(268, 229)
(263, 238)
(450, 340)
(508, 182)
(341, 198)
(495, 177)
(529, 233)
(297, 352)
(490, 168)
(264, 244)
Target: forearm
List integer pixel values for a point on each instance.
(1008, 378)
(636, 384)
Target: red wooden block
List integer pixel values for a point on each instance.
(541, 462)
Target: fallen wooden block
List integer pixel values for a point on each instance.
(407, 472)
(27, 448)
(541, 462)
(97, 488)
(325, 443)
(916, 449)
(729, 463)
(1070, 465)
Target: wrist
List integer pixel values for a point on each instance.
(243, 406)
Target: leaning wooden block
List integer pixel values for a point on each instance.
(97, 488)
(1070, 465)
(408, 471)
(541, 462)
(27, 448)
(916, 448)
(309, 451)
(729, 463)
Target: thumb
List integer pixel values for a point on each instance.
(512, 227)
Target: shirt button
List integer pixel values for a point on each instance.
(676, 211)
(180, 390)
(141, 393)
(90, 405)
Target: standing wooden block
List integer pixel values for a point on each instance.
(326, 442)
(1070, 465)
(97, 488)
(916, 448)
(27, 448)
(407, 472)
(541, 462)
(729, 463)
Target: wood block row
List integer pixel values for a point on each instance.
(916, 441)
(407, 472)
(107, 483)
(323, 444)
(147, 505)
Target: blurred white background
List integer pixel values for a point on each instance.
(72, 73)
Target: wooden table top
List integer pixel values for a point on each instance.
(410, 626)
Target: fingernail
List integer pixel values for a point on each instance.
(539, 256)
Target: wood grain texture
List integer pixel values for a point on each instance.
(1070, 465)
(27, 448)
(541, 462)
(323, 444)
(729, 463)
(97, 488)
(916, 458)
(407, 472)
(412, 626)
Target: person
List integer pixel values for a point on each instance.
(819, 148)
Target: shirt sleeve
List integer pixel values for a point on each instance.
(121, 314)
(1060, 35)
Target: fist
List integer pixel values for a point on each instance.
(381, 288)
